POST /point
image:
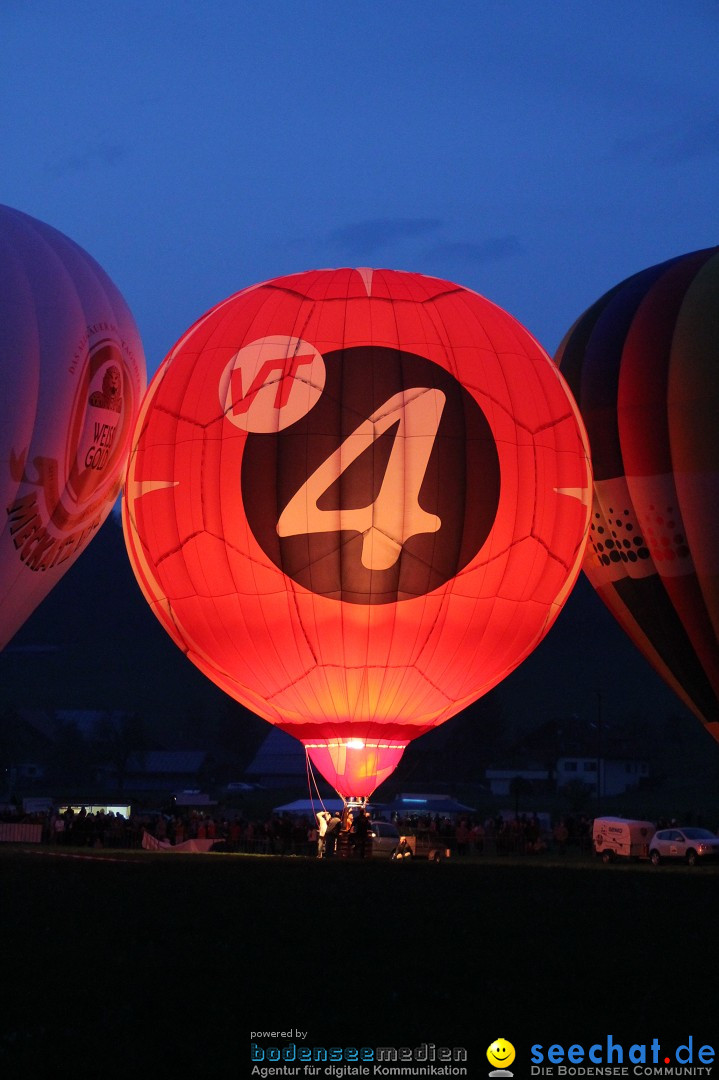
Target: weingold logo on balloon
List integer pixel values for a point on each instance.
(62, 500)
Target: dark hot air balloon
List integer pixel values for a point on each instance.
(642, 363)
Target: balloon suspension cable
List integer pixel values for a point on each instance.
(351, 802)
(310, 781)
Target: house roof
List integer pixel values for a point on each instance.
(427, 804)
(191, 798)
(309, 806)
(279, 755)
(176, 762)
(39, 722)
(87, 720)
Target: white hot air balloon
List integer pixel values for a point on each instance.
(72, 374)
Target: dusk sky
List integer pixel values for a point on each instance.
(536, 153)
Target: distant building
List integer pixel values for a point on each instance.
(608, 760)
(28, 770)
(503, 781)
(613, 776)
(193, 800)
(164, 771)
(31, 734)
(407, 804)
(87, 721)
(279, 762)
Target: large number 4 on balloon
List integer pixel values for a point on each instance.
(396, 514)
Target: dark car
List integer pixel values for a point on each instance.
(385, 838)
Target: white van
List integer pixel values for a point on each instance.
(615, 837)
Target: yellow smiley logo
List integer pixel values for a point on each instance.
(500, 1053)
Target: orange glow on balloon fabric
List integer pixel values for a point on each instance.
(357, 500)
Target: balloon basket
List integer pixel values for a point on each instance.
(355, 802)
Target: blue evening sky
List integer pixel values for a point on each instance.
(537, 153)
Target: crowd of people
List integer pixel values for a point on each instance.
(522, 834)
(326, 835)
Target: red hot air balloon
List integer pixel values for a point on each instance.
(72, 373)
(642, 363)
(357, 499)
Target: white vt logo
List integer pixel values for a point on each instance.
(395, 515)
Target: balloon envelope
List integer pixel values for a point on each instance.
(642, 363)
(357, 499)
(72, 374)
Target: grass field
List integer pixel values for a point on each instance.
(116, 959)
